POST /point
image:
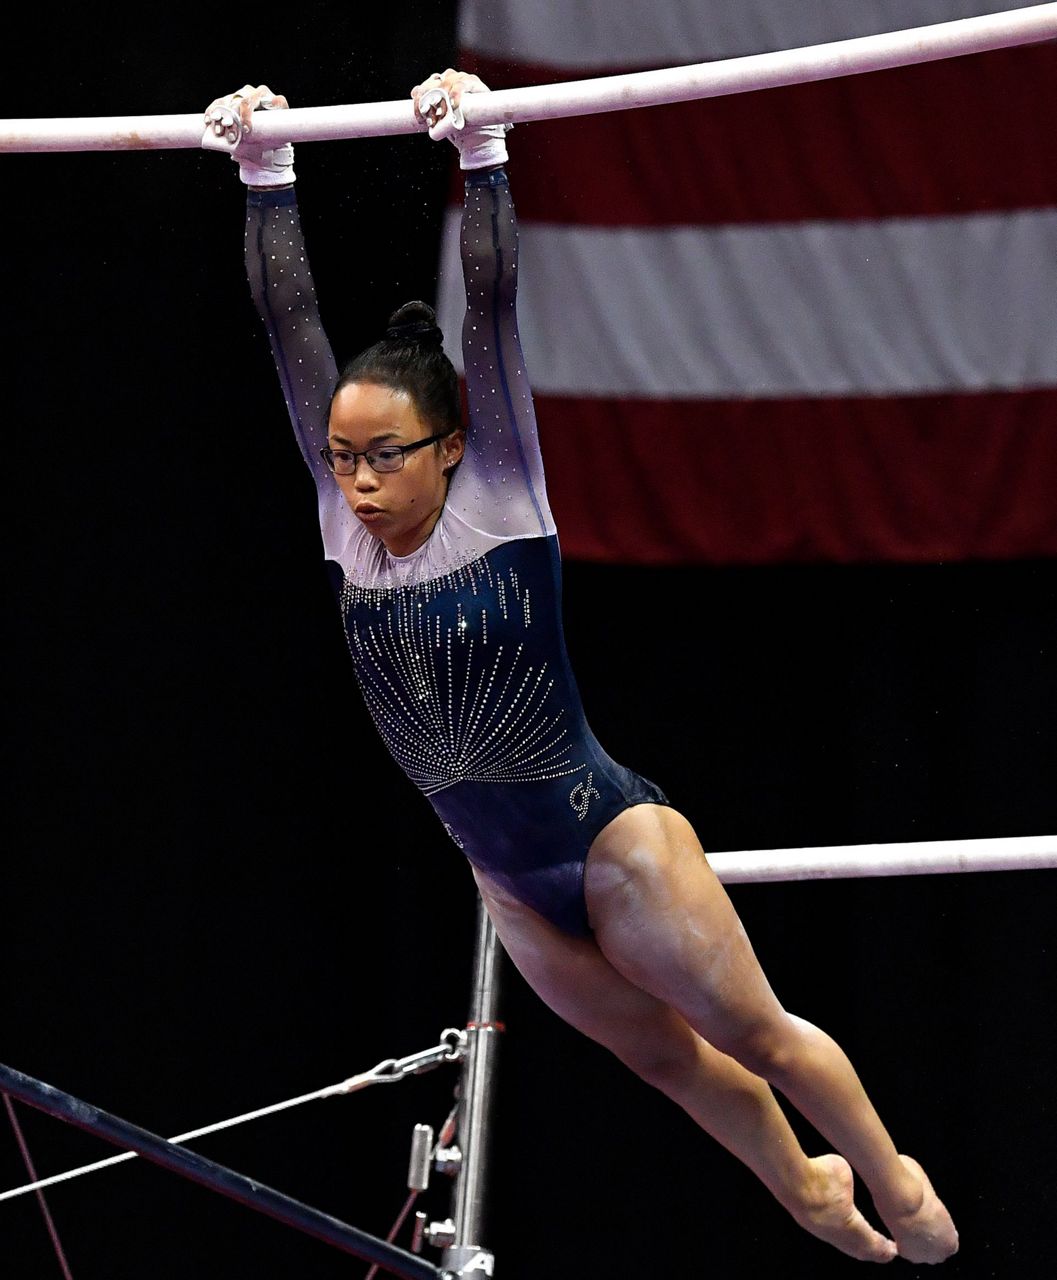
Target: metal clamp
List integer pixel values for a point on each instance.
(452, 1048)
(448, 1160)
(441, 1235)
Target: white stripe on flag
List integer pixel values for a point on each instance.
(891, 307)
(594, 34)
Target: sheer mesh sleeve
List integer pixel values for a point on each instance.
(285, 297)
(499, 488)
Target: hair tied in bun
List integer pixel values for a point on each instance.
(413, 329)
(409, 356)
(415, 322)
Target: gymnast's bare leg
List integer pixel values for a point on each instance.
(670, 984)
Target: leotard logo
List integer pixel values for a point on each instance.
(580, 796)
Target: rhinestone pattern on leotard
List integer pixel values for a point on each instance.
(451, 704)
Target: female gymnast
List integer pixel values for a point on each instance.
(600, 891)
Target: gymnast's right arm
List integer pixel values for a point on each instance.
(281, 282)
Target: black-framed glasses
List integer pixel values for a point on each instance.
(383, 457)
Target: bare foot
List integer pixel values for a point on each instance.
(830, 1213)
(927, 1233)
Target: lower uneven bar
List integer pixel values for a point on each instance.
(215, 1176)
(924, 857)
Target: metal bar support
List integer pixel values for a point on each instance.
(466, 1256)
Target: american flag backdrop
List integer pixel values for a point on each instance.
(807, 324)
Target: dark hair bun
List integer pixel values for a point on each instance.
(415, 322)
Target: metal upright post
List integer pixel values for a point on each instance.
(466, 1255)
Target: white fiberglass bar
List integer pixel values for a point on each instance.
(550, 102)
(927, 857)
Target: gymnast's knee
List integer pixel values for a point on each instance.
(767, 1049)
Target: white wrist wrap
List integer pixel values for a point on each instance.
(478, 148)
(273, 167)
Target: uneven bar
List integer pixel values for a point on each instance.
(926, 857)
(1029, 25)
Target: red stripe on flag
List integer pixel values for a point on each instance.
(957, 136)
(928, 478)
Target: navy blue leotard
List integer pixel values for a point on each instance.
(458, 647)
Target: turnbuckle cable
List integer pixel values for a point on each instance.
(451, 1048)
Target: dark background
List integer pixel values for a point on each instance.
(219, 892)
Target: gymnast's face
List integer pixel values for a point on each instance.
(398, 507)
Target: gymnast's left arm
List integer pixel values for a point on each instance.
(503, 462)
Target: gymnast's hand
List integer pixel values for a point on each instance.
(454, 84)
(229, 127)
(437, 102)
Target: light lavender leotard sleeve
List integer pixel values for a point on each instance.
(500, 488)
(497, 493)
(285, 297)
